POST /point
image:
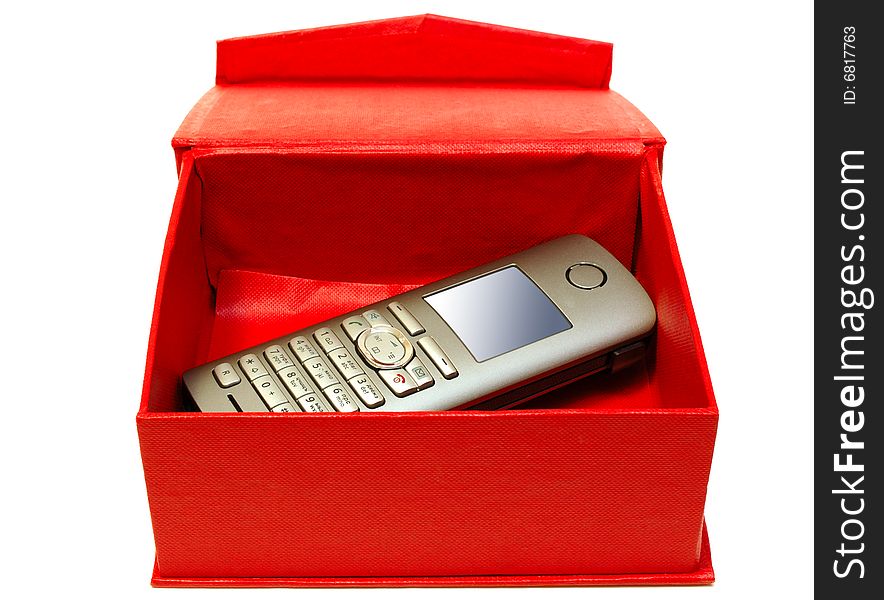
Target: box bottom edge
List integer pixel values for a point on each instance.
(702, 575)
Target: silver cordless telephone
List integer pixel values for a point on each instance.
(486, 339)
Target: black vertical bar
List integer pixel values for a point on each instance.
(848, 361)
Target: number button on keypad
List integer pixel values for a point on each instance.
(339, 398)
(366, 391)
(303, 349)
(320, 373)
(327, 340)
(314, 403)
(346, 364)
(294, 382)
(277, 358)
(269, 392)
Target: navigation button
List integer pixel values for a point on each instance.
(384, 347)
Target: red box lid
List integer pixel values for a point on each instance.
(419, 48)
(412, 80)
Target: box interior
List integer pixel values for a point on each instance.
(271, 236)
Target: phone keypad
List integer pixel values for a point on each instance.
(390, 353)
(314, 383)
(225, 375)
(336, 394)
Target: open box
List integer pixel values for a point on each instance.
(332, 168)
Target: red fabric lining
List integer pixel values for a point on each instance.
(658, 266)
(254, 307)
(406, 218)
(184, 308)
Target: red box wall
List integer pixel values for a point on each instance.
(462, 142)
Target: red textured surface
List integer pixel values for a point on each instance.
(602, 482)
(419, 48)
(703, 575)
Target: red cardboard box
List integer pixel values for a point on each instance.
(333, 167)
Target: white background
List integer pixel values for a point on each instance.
(90, 96)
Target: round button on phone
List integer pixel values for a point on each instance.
(586, 276)
(384, 347)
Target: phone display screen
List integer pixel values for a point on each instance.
(498, 312)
